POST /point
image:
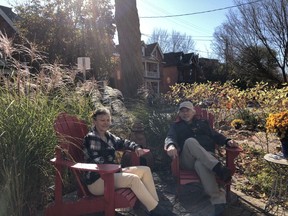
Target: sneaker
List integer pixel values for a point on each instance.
(219, 208)
(161, 211)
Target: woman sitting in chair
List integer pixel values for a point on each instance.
(100, 146)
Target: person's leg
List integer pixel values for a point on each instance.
(145, 174)
(127, 179)
(195, 157)
(211, 187)
(193, 151)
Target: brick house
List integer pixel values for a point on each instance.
(161, 70)
(179, 68)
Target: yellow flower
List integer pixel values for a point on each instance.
(237, 123)
(278, 123)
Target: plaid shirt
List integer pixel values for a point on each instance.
(100, 152)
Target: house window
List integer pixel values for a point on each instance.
(152, 67)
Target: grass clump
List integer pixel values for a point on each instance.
(26, 142)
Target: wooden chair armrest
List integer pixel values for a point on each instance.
(234, 149)
(175, 167)
(135, 160)
(105, 170)
(100, 168)
(231, 154)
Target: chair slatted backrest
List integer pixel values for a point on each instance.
(204, 114)
(70, 132)
(201, 114)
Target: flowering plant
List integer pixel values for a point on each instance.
(278, 123)
(237, 123)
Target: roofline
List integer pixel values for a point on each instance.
(8, 20)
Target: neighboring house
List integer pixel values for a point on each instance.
(180, 68)
(152, 58)
(170, 70)
(7, 27)
(161, 70)
(7, 19)
(188, 68)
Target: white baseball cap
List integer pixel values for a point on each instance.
(186, 104)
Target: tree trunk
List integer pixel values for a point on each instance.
(129, 36)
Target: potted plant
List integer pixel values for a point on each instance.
(278, 123)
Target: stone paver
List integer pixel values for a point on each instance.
(192, 201)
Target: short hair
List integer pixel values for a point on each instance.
(101, 111)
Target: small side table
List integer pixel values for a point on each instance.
(279, 188)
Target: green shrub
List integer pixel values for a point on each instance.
(250, 118)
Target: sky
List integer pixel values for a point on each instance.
(200, 23)
(199, 26)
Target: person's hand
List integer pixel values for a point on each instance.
(172, 151)
(232, 143)
(139, 151)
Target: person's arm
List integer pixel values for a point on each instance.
(232, 143)
(170, 144)
(171, 138)
(123, 144)
(219, 138)
(222, 140)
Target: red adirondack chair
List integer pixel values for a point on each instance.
(187, 176)
(71, 131)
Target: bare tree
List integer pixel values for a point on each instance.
(161, 36)
(257, 24)
(174, 42)
(127, 23)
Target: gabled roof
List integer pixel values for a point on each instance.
(172, 58)
(187, 58)
(150, 48)
(9, 16)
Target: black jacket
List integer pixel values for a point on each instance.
(198, 129)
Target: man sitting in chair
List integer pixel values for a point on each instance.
(195, 140)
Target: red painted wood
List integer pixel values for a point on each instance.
(185, 177)
(68, 155)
